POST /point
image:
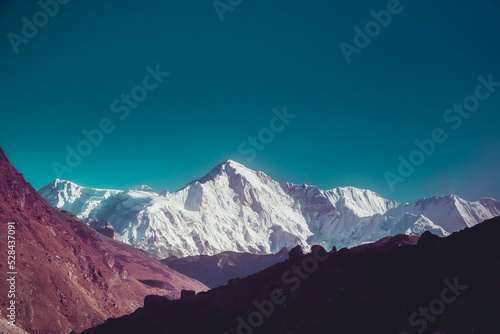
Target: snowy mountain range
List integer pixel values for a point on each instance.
(234, 208)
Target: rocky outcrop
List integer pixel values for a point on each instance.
(70, 277)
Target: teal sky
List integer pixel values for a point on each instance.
(353, 120)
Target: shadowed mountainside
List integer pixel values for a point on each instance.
(70, 277)
(216, 270)
(374, 288)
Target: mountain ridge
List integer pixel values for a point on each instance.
(233, 208)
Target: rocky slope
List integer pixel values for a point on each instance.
(69, 277)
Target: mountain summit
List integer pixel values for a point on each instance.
(234, 208)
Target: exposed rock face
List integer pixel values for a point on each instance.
(69, 277)
(106, 229)
(6, 328)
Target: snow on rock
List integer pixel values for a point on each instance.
(234, 208)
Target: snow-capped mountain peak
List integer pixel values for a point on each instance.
(141, 188)
(233, 208)
(233, 169)
(365, 203)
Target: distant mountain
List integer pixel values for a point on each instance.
(439, 285)
(217, 270)
(69, 277)
(234, 208)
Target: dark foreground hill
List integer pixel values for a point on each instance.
(67, 276)
(448, 285)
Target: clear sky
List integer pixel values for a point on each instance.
(352, 119)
